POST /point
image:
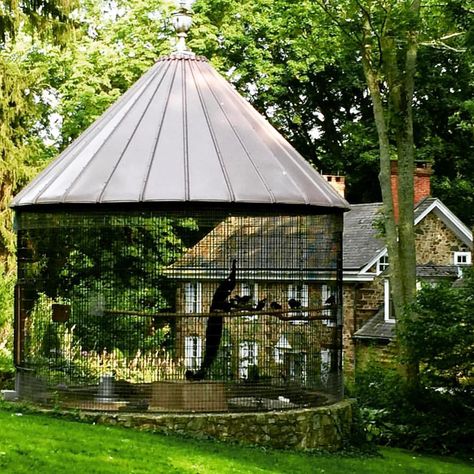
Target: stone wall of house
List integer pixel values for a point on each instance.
(369, 351)
(435, 242)
(327, 428)
(308, 337)
(361, 302)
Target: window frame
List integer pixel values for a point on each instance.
(382, 263)
(192, 344)
(466, 254)
(387, 302)
(326, 292)
(300, 292)
(194, 306)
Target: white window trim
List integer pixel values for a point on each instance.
(189, 306)
(382, 265)
(303, 297)
(459, 255)
(254, 292)
(192, 352)
(282, 346)
(387, 306)
(325, 294)
(248, 356)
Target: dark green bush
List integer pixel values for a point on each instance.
(425, 419)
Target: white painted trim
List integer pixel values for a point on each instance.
(386, 298)
(468, 256)
(453, 222)
(374, 260)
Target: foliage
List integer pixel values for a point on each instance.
(423, 419)
(439, 333)
(113, 262)
(56, 352)
(46, 444)
(50, 19)
(7, 282)
(289, 62)
(114, 48)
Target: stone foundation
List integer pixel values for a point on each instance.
(326, 428)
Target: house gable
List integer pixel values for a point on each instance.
(439, 233)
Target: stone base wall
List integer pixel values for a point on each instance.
(327, 428)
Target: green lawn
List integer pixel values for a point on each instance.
(40, 444)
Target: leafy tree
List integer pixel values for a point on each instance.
(388, 34)
(20, 96)
(439, 334)
(287, 60)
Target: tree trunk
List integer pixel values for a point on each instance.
(400, 236)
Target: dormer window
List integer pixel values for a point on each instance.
(462, 258)
(382, 264)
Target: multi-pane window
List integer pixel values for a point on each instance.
(389, 313)
(248, 358)
(299, 293)
(192, 352)
(192, 297)
(325, 365)
(250, 289)
(296, 366)
(462, 258)
(382, 264)
(281, 347)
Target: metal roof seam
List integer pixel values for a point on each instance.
(157, 139)
(185, 134)
(283, 145)
(270, 192)
(76, 179)
(214, 138)
(122, 153)
(249, 107)
(82, 141)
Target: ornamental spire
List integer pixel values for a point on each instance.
(182, 22)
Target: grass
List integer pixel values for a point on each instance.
(43, 444)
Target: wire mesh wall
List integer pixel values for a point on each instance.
(197, 311)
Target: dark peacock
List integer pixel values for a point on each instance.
(215, 323)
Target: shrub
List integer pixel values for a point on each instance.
(7, 283)
(425, 419)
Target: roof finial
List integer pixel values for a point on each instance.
(182, 22)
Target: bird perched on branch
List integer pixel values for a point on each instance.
(330, 301)
(261, 304)
(294, 304)
(241, 302)
(275, 305)
(215, 324)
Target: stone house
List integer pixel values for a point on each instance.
(279, 259)
(443, 247)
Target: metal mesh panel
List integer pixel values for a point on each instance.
(196, 311)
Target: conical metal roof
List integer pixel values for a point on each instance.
(181, 133)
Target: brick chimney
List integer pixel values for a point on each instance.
(422, 185)
(337, 182)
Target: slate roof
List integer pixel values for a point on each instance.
(181, 133)
(362, 240)
(437, 271)
(376, 328)
(265, 247)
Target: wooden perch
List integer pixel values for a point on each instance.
(282, 314)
